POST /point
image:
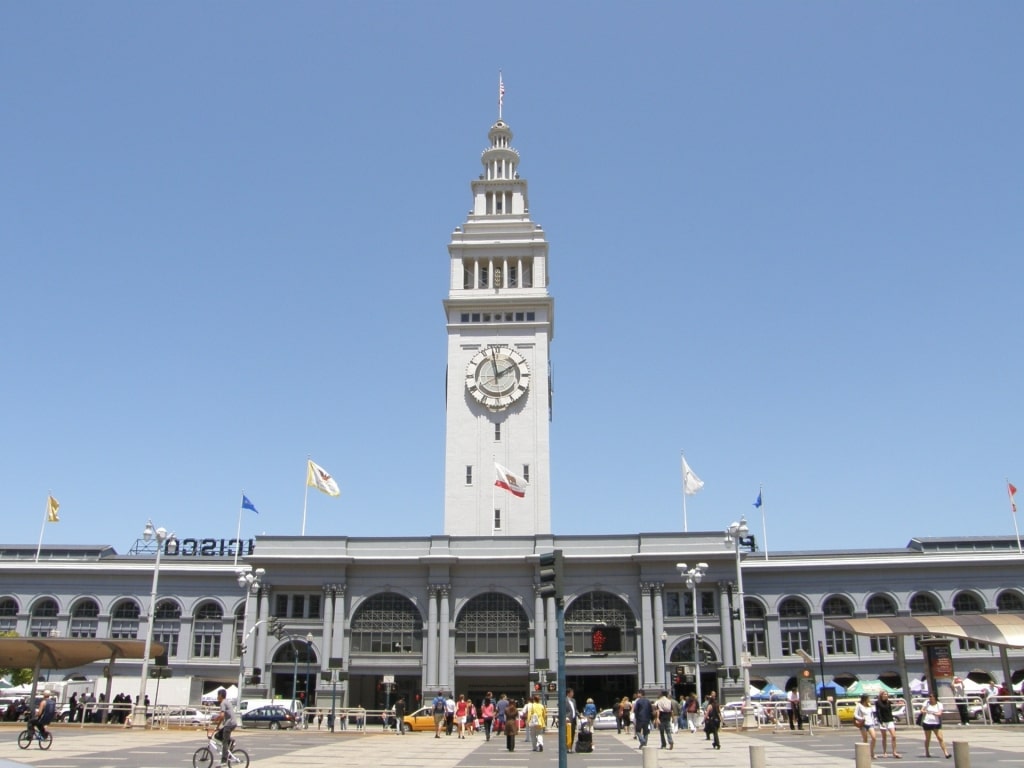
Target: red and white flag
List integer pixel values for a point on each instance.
(510, 481)
(1013, 493)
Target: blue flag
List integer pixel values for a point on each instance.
(757, 504)
(246, 504)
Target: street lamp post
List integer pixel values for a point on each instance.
(733, 534)
(309, 653)
(664, 659)
(694, 576)
(295, 672)
(250, 582)
(161, 536)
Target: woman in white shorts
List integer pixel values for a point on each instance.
(864, 717)
(886, 722)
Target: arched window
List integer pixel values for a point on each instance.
(124, 620)
(8, 614)
(387, 623)
(208, 623)
(1008, 601)
(683, 652)
(881, 605)
(838, 641)
(923, 604)
(967, 602)
(493, 623)
(603, 616)
(84, 618)
(167, 625)
(44, 618)
(757, 628)
(794, 626)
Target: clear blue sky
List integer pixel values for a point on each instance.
(785, 238)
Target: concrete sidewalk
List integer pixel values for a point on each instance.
(98, 748)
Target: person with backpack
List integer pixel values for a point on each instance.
(439, 712)
(44, 714)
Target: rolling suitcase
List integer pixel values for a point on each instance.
(585, 740)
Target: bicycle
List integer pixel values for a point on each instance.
(204, 756)
(30, 734)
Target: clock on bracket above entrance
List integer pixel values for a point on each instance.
(497, 376)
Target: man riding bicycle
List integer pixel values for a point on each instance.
(43, 715)
(228, 721)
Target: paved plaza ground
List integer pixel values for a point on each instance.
(990, 746)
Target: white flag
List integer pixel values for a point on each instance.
(691, 483)
(319, 478)
(510, 481)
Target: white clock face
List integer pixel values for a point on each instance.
(497, 376)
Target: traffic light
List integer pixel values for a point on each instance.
(275, 627)
(553, 686)
(551, 574)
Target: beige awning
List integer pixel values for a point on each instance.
(65, 652)
(1006, 629)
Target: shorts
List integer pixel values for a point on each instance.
(890, 726)
(932, 726)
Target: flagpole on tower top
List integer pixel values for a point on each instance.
(501, 94)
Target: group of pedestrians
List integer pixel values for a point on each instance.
(665, 712)
(876, 717)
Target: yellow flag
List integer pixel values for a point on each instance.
(52, 505)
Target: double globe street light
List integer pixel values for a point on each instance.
(250, 581)
(735, 535)
(162, 539)
(694, 576)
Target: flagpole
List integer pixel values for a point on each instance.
(238, 534)
(501, 94)
(305, 498)
(1013, 514)
(764, 529)
(46, 516)
(682, 465)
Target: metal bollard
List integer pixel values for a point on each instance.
(862, 755)
(962, 754)
(756, 756)
(650, 757)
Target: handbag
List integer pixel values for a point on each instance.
(920, 718)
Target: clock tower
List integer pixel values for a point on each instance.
(500, 321)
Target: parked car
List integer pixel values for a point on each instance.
(605, 720)
(188, 716)
(950, 713)
(271, 716)
(420, 720)
(732, 714)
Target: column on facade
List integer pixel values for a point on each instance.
(431, 649)
(444, 677)
(725, 624)
(338, 639)
(327, 629)
(659, 627)
(540, 645)
(646, 636)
